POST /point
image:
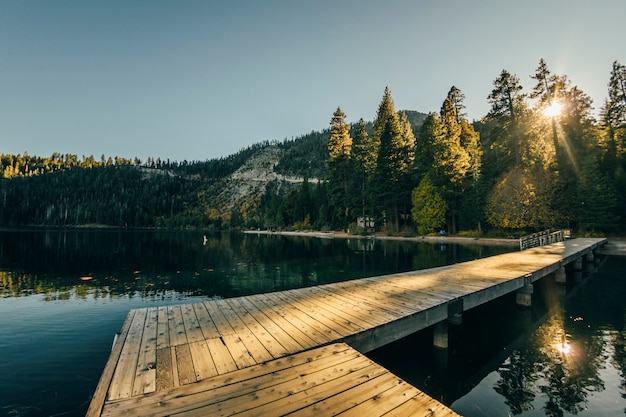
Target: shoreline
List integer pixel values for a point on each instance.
(615, 245)
(433, 239)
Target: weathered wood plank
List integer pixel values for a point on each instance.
(164, 370)
(238, 351)
(124, 377)
(269, 342)
(219, 320)
(163, 332)
(280, 393)
(369, 301)
(222, 358)
(421, 406)
(266, 319)
(380, 401)
(317, 317)
(145, 377)
(205, 321)
(273, 310)
(294, 397)
(202, 360)
(186, 370)
(371, 293)
(178, 334)
(317, 331)
(192, 325)
(255, 348)
(343, 399)
(341, 308)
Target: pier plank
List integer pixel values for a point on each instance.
(269, 342)
(163, 332)
(315, 305)
(265, 304)
(164, 371)
(178, 334)
(219, 320)
(205, 321)
(145, 377)
(255, 348)
(193, 330)
(353, 313)
(318, 317)
(316, 330)
(124, 377)
(202, 360)
(184, 361)
(221, 356)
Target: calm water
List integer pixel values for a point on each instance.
(64, 294)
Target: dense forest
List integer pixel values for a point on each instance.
(539, 159)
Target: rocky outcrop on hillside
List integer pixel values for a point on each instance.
(251, 179)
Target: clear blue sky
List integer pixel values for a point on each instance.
(195, 80)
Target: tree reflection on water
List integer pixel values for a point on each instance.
(565, 379)
(101, 263)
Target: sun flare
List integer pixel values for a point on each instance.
(553, 110)
(564, 348)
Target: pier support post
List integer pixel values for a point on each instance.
(578, 264)
(440, 335)
(523, 296)
(590, 256)
(559, 276)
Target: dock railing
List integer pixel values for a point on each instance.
(542, 238)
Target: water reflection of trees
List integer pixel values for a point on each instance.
(565, 380)
(145, 263)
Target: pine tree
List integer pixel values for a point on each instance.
(507, 106)
(506, 98)
(597, 207)
(340, 142)
(364, 161)
(389, 170)
(614, 110)
(428, 207)
(395, 155)
(339, 164)
(364, 151)
(457, 97)
(386, 109)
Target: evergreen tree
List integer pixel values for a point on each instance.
(428, 207)
(340, 142)
(364, 161)
(614, 111)
(339, 164)
(598, 204)
(473, 193)
(395, 156)
(457, 98)
(507, 105)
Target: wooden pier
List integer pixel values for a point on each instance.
(300, 351)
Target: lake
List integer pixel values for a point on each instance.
(65, 293)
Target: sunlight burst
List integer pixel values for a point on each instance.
(553, 110)
(564, 348)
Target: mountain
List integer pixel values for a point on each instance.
(288, 162)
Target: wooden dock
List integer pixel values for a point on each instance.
(301, 351)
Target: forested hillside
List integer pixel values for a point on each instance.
(539, 159)
(67, 190)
